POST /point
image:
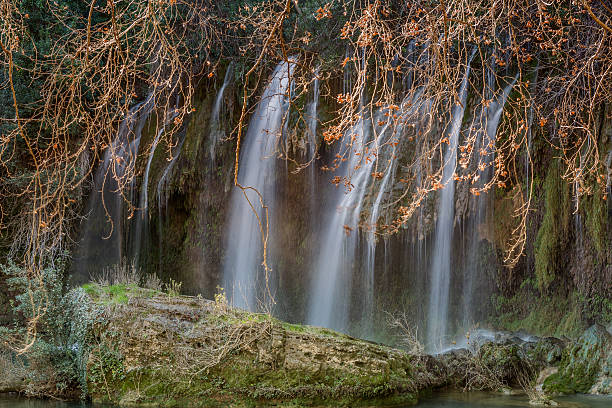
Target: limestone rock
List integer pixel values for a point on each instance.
(163, 350)
(585, 366)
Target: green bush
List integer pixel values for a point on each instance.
(56, 360)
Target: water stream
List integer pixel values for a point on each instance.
(437, 325)
(330, 291)
(216, 130)
(102, 232)
(485, 128)
(163, 196)
(243, 273)
(442, 400)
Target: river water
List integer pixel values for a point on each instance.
(489, 400)
(446, 400)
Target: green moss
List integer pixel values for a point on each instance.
(239, 381)
(329, 387)
(91, 289)
(240, 378)
(578, 377)
(558, 384)
(298, 328)
(557, 315)
(553, 232)
(596, 222)
(115, 294)
(580, 364)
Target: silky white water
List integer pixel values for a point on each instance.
(389, 135)
(485, 127)
(243, 273)
(216, 131)
(331, 285)
(102, 231)
(441, 262)
(368, 307)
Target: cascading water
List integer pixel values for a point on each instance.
(441, 265)
(101, 233)
(408, 108)
(577, 218)
(216, 130)
(371, 242)
(142, 218)
(313, 120)
(243, 259)
(332, 277)
(347, 83)
(144, 194)
(486, 130)
(533, 87)
(311, 115)
(285, 119)
(140, 232)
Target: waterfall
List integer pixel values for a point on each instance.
(144, 194)
(408, 108)
(441, 265)
(311, 115)
(577, 217)
(485, 127)
(312, 118)
(332, 276)
(368, 311)
(243, 258)
(529, 127)
(141, 227)
(408, 78)
(216, 130)
(285, 133)
(347, 77)
(102, 230)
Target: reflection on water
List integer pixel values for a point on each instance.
(446, 400)
(488, 400)
(12, 402)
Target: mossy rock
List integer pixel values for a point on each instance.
(505, 360)
(547, 351)
(584, 365)
(157, 350)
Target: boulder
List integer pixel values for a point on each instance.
(585, 365)
(154, 349)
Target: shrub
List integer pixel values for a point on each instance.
(55, 361)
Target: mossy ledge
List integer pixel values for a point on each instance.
(152, 349)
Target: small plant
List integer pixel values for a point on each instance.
(173, 288)
(408, 334)
(220, 300)
(57, 354)
(119, 274)
(525, 378)
(152, 281)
